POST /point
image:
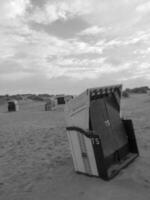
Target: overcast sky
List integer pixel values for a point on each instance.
(66, 46)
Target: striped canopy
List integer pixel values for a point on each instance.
(100, 92)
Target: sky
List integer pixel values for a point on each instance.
(65, 46)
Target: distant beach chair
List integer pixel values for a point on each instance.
(125, 94)
(148, 92)
(60, 99)
(13, 106)
(50, 105)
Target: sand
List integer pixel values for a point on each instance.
(35, 161)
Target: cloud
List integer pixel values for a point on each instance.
(14, 76)
(121, 15)
(76, 63)
(13, 27)
(93, 72)
(53, 57)
(33, 54)
(64, 10)
(137, 37)
(11, 9)
(94, 30)
(144, 7)
(110, 43)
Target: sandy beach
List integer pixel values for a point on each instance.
(35, 160)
